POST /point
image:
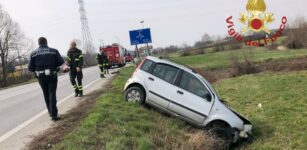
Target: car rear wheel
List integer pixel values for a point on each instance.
(136, 95)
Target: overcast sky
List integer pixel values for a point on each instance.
(171, 21)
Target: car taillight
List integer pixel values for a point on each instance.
(135, 73)
(139, 66)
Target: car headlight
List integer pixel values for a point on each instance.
(248, 128)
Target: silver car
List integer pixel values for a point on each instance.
(182, 92)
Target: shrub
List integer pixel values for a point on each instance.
(235, 46)
(242, 66)
(16, 80)
(200, 51)
(218, 48)
(185, 53)
(273, 46)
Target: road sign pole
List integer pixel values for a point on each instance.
(137, 52)
(148, 50)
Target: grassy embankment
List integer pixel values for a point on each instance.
(221, 60)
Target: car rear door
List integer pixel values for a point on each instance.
(159, 82)
(191, 99)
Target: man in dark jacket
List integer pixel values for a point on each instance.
(45, 63)
(75, 62)
(102, 63)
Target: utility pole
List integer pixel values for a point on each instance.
(101, 43)
(138, 53)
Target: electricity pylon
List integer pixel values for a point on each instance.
(86, 34)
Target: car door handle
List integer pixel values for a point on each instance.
(152, 79)
(179, 92)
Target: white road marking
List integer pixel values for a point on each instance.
(26, 123)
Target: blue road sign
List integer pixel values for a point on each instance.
(140, 36)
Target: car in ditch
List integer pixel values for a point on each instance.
(181, 92)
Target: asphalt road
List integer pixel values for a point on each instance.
(19, 104)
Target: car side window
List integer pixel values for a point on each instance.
(192, 84)
(165, 72)
(146, 65)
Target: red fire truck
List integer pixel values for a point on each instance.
(129, 57)
(116, 54)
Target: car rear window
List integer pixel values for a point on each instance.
(146, 65)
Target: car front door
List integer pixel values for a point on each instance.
(159, 82)
(192, 100)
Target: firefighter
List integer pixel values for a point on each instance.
(106, 64)
(45, 63)
(75, 63)
(102, 64)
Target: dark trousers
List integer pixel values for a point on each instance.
(101, 70)
(106, 68)
(49, 86)
(79, 75)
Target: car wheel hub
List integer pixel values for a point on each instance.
(134, 96)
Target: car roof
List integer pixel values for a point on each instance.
(162, 60)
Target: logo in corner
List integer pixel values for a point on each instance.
(257, 18)
(255, 22)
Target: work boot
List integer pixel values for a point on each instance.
(80, 88)
(76, 93)
(76, 90)
(55, 119)
(80, 94)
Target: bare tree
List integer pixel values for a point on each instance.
(10, 37)
(297, 35)
(206, 37)
(206, 40)
(23, 48)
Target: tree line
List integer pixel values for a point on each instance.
(295, 37)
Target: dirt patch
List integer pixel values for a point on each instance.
(295, 64)
(70, 121)
(285, 65)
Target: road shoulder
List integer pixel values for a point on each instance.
(41, 123)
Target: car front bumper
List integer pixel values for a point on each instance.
(246, 132)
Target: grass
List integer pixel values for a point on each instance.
(116, 124)
(220, 60)
(281, 123)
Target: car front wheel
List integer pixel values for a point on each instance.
(135, 94)
(222, 137)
